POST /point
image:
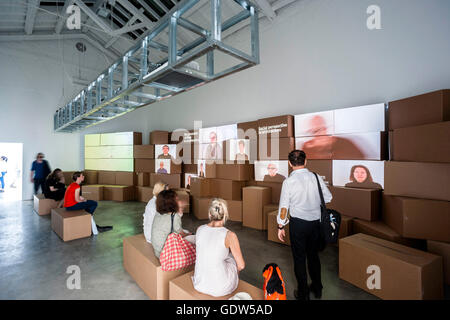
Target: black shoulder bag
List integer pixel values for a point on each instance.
(330, 221)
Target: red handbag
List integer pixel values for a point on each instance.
(177, 252)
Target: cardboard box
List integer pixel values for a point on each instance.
(144, 194)
(354, 202)
(417, 179)
(126, 178)
(441, 249)
(323, 168)
(272, 229)
(68, 177)
(235, 210)
(176, 168)
(143, 179)
(159, 137)
(253, 201)
(140, 262)
(266, 210)
(346, 226)
(43, 206)
(248, 130)
(285, 145)
(405, 273)
(183, 196)
(118, 193)
(426, 108)
(173, 180)
(90, 177)
(106, 177)
(200, 187)
(236, 172)
(275, 189)
(426, 143)
(417, 218)
(92, 192)
(226, 189)
(201, 207)
(281, 126)
(144, 165)
(144, 151)
(182, 288)
(380, 230)
(71, 225)
(190, 168)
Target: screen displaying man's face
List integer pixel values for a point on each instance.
(317, 126)
(241, 147)
(165, 150)
(161, 165)
(213, 137)
(272, 170)
(360, 174)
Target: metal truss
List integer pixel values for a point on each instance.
(134, 81)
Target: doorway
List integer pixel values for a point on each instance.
(11, 171)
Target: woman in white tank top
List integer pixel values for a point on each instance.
(219, 257)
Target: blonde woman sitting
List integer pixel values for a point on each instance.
(219, 257)
(150, 210)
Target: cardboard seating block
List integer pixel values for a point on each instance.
(43, 206)
(71, 225)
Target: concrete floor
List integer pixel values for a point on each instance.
(33, 259)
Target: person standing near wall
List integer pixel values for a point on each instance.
(300, 195)
(40, 169)
(3, 171)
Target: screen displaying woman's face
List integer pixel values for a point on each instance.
(360, 174)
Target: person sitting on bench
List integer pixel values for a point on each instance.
(54, 187)
(74, 201)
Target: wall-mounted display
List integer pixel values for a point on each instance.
(358, 174)
(166, 151)
(201, 169)
(271, 171)
(162, 166)
(187, 179)
(314, 124)
(239, 150)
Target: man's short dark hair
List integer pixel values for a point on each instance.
(166, 202)
(297, 158)
(76, 175)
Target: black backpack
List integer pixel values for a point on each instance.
(330, 222)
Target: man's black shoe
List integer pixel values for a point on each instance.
(304, 298)
(317, 292)
(104, 229)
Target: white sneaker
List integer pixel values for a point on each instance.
(94, 227)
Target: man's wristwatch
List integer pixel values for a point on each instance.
(280, 228)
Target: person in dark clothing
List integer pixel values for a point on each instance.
(54, 187)
(40, 169)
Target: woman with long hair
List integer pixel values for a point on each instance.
(360, 177)
(54, 187)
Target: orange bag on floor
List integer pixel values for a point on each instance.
(274, 288)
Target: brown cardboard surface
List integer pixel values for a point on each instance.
(43, 206)
(182, 288)
(272, 229)
(146, 151)
(137, 138)
(226, 189)
(266, 210)
(417, 218)
(200, 207)
(354, 202)
(140, 262)
(426, 108)
(275, 189)
(405, 273)
(126, 178)
(253, 201)
(176, 168)
(90, 176)
(441, 249)
(71, 225)
(200, 187)
(248, 130)
(190, 168)
(118, 193)
(173, 180)
(159, 137)
(236, 172)
(282, 125)
(285, 145)
(144, 165)
(144, 194)
(346, 228)
(323, 168)
(68, 177)
(143, 179)
(106, 177)
(92, 192)
(426, 143)
(183, 196)
(417, 180)
(235, 210)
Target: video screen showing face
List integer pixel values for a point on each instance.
(316, 148)
(162, 166)
(370, 118)
(208, 135)
(239, 150)
(187, 179)
(201, 169)
(166, 151)
(271, 171)
(314, 124)
(211, 151)
(358, 174)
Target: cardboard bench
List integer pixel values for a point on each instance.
(140, 262)
(71, 225)
(43, 206)
(182, 288)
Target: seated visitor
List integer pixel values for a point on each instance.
(74, 201)
(54, 187)
(167, 204)
(219, 257)
(150, 210)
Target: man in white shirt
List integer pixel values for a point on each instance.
(300, 196)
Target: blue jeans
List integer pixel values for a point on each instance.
(2, 179)
(89, 206)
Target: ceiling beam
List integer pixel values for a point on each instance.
(63, 16)
(32, 7)
(267, 9)
(133, 10)
(94, 17)
(149, 9)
